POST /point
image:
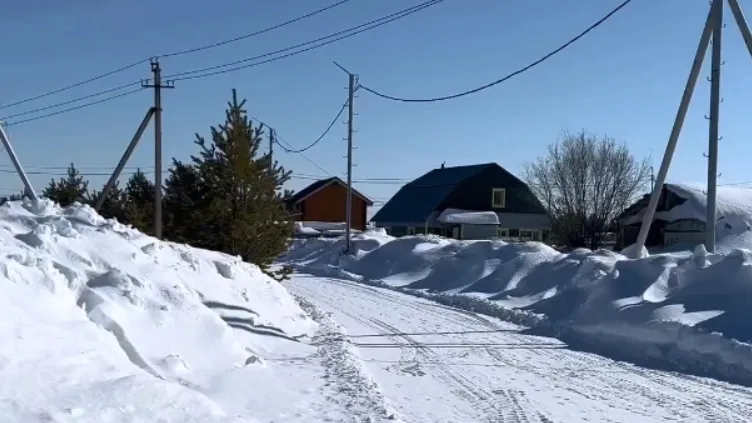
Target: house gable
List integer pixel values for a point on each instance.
(317, 186)
(476, 193)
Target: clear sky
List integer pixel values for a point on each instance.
(624, 79)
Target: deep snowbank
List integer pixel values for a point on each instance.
(687, 311)
(99, 322)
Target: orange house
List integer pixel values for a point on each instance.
(326, 201)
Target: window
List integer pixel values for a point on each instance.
(411, 230)
(530, 235)
(296, 207)
(498, 198)
(502, 232)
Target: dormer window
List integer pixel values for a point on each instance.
(498, 198)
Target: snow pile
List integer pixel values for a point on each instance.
(456, 216)
(733, 209)
(99, 322)
(692, 305)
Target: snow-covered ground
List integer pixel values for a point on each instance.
(439, 364)
(687, 312)
(100, 323)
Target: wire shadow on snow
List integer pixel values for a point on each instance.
(463, 332)
(247, 324)
(215, 305)
(500, 345)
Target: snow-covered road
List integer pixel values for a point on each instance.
(438, 364)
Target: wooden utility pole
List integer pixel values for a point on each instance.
(157, 85)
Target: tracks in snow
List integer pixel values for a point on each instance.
(492, 383)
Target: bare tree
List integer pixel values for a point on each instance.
(585, 182)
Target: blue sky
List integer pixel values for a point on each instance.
(624, 79)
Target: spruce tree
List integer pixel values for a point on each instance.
(186, 198)
(113, 206)
(245, 214)
(69, 189)
(139, 206)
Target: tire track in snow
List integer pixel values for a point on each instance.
(510, 406)
(562, 375)
(461, 387)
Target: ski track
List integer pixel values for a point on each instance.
(491, 383)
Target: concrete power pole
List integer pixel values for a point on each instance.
(157, 85)
(271, 149)
(715, 101)
(713, 27)
(348, 208)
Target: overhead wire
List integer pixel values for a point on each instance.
(306, 158)
(70, 109)
(375, 23)
(253, 34)
(77, 84)
(173, 54)
(321, 137)
(75, 100)
(507, 77)
(364, 27)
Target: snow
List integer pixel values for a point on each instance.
(440, 364)
(687, 312)
(100, 323)
(456, 216)
(733, 208)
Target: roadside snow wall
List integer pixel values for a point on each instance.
(688, 312)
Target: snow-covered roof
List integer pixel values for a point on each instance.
(465, 217)
(732, 203)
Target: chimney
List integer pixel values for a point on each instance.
(442, 164)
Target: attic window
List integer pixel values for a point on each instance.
(498, 198)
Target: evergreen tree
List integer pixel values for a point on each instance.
(139, 207)
(12, 197)
(245, 214)
(113, 206)
(69, 189)
(186, 198)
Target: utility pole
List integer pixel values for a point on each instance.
(715, 100)
(713, 27)
(28, 188)
(652, 178)
(157, 85)
(348, 218)
(271, 150)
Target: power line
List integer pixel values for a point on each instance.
(81, 168)
(78, 84)
(277, 141)
(48, 173)
(368, 26)
(347, 34)
(253, 34)
(313, 144)
(173, 54)
(511, 75)
(75, 100)
(70, 109)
